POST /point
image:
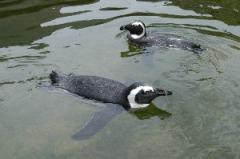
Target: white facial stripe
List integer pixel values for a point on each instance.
(135, 36)
(138, 23)
(134, 92)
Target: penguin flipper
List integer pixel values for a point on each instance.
(98, 121)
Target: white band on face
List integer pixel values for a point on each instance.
(134, 92)
(135, 36)
(138, 23)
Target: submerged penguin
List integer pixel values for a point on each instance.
(137, 33)
(137, 95)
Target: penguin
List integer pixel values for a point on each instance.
(135, 98)
(137, 33)
(137, 95)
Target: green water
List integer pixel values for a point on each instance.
(81, 37)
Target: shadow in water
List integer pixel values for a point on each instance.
(133, 49)
(151, 111)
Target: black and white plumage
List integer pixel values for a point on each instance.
(137, 95)
(137, 33)
(113, 93)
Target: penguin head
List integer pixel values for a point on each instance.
(140, 95)
(137, 30)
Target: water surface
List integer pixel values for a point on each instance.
(81, 37)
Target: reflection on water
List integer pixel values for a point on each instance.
(201, 118)
(25, 17)
(133, 50)
(151, 111)
(18, 7)
(220, 10)
(113, 8)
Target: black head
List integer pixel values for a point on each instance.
(141, 95)
(136, 29)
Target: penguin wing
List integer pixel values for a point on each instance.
(98, 121)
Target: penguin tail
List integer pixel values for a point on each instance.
(54, 77)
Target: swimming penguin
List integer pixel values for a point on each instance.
(137, 33)
(113, 93)
(137, 95)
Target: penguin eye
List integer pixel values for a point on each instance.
(148, 92)
(141, 92)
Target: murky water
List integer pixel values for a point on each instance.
(82, 37)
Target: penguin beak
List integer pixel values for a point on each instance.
(122, 27)
(147, 97)
(162, 92)
(125, 27)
